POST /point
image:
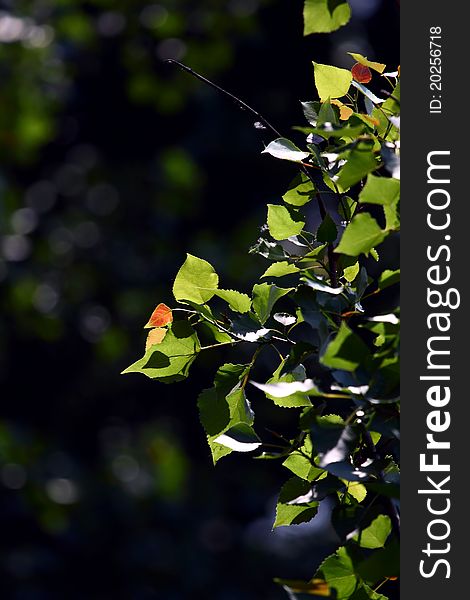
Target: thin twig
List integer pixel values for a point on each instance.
(244, 106)
(241, 104)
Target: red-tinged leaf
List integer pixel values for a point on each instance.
(361, 73)
(155, 336)
(161, 316)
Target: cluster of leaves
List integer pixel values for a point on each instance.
(336, 351)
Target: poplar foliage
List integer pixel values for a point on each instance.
(324, 313)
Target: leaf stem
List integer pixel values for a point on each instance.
(221, 344)
(381, 584)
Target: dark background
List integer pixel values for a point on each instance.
(113, 165)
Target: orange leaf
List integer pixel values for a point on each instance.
(161, 316)
(155, 336)
(344, 111)
(361, 73)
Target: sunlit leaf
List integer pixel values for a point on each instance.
(346, 351)
(280, 269)
(295, 504)
(344, 111)
(324, 16)
(322, 286)
(331, 82)
(362, 60)
(300, 191)
(282, 389)
(301, 462)
(285, 150)
(367, 93)
(170, 360)
(361, 73)
(360, 236)
(240, 438)
(196, 281)
(155, 336)
(160, 317)
(283, 223)
(380, 190)
(265, 296)
(224, 405)
(357, 490)
(351, 272)
(237, 301)
(376, 534)
(339, 572)
(359, 162)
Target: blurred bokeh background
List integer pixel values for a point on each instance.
(113, 165)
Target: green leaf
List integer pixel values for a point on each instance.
(300, 191)
(210, 332)
(380, 190)
(170, 360)
(281, 223)
(327, 231)
(392, 104)
(347, 351)
(320, 285)
(295, 505)
(351, 272)
(196, 281)
(237, 301)
(386, 192)
(288, 390)
(299, 463)
(384, 562)
(310, 110)
(367, 93)
(392, 218)
(357, 490)
(360, 236)
(327, 114)
(359, 162)
(324, 16)
(331, 82)
(338, 571)
(333, 441)
(376, 534)
(223, 406)
(285, 150)
(302, 467)
(362, 60)
(280, 269)
(240, 438)
(334, 132)
(314, 254)
(265, 296)
(388, 278)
